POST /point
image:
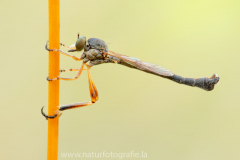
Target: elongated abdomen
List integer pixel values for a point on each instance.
(204, 83)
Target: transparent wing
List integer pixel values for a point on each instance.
(144, 66)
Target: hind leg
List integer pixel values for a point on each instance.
(93, 95)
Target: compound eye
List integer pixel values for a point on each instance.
(80, 43)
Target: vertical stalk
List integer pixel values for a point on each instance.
(53, 86)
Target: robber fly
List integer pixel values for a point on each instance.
(95, 52)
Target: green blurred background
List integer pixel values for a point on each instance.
(136, 111)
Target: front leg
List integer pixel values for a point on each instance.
(62, 52)
(72, 47)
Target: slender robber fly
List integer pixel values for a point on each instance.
(95, 51)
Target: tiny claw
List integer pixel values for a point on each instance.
(46, 47)
(48, 79)
(46, 116)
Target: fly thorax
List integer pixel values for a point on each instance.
(86, 47)
(93, 54)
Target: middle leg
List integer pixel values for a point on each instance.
(67, 79)
(71, 69)
(93, 94)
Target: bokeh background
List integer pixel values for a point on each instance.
(136, 111)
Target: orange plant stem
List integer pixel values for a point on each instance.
(53, 86)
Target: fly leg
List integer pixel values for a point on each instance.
(65, 70)
(93, 94)
(92, 87)
(67, 79)
(72, 47)
(64, 53)
(72, 69)
(64, 45)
